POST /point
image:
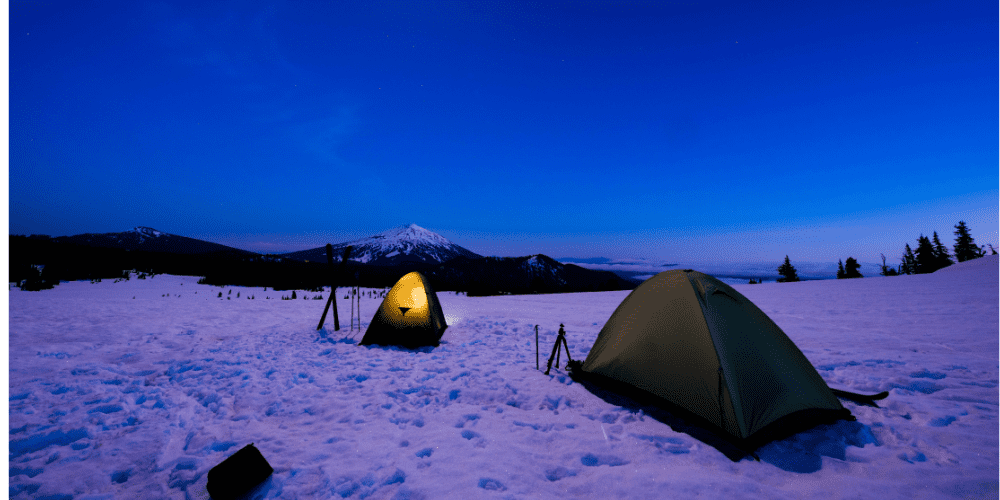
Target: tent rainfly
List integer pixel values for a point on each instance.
(410, 316)
(700, 345)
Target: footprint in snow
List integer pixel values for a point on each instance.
(27, 471)
(121, 476)
(928, 374)
(558, 473)
(990, 385)
(40, 441)
(913, 457)
(591, 460)
(478, 440)
(465, 419)
(666, 444)
(491, 484)
(424, 454)
(922, 386)
(942, 422)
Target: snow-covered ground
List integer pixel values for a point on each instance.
(136, 389)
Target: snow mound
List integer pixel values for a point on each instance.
(988, 263)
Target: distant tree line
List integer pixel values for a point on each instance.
(932, 255)
(929, 256)
(37, 263)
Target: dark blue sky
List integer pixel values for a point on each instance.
(651, 129)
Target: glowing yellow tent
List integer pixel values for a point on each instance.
(410, 316)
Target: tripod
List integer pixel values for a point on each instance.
(560, 343)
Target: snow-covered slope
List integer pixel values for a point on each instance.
(119, 397)
(400, 245)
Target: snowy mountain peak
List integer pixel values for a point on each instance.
(542, 263)
(409, 233)
(147, 231)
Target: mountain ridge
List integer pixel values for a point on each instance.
(536, 273)
(378, 261)
(147, 239)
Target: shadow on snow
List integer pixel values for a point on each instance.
(801, 452)
(327, 337)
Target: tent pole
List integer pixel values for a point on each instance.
(333, 287)
(568, 358)
(555, 352)
(536, 349)
(333, 293)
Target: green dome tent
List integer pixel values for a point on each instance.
(701, 346)
(410, 315)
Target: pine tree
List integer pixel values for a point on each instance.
(840, 270)
(926, 259)
(965, 244)
(941, 257)
(909, 265)
(37, 280)
(886, 270)
(293, 294)
(787, 272)
(852, 268)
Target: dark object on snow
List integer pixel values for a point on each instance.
(238, 474)
(695, 342)
(861, 399)
(560, 342)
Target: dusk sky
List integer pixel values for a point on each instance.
(665, 130)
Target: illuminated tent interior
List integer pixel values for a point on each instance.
(410, 316)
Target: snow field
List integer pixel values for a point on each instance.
(115, 397)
